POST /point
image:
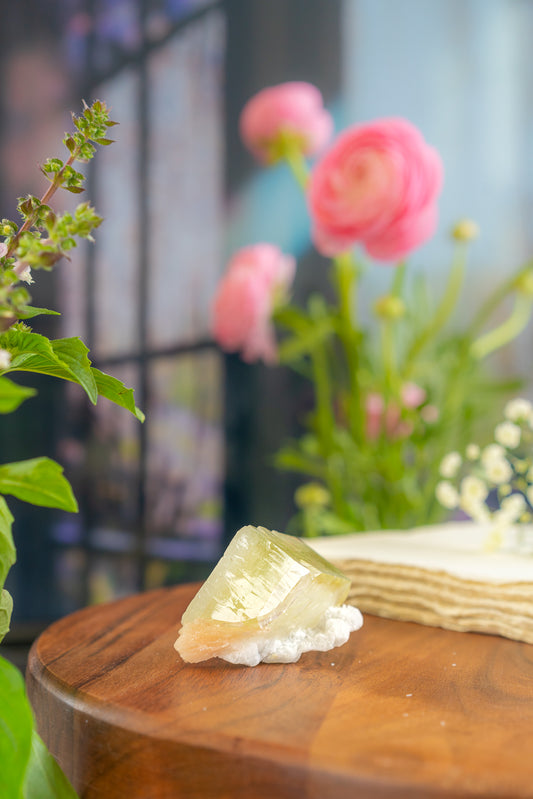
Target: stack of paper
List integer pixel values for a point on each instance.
(439, 575)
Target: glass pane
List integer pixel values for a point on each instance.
(111, 469)
(116, 247)
(72, 290)
(69, 573)
(111, 577)
(164, 572)
(163, 14)
(116, 32)
(185, 181)
(185, 457)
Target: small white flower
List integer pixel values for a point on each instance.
(476, 509)
(447, 495)
(494, 452)
(513, 506)
(25, 276)
(508, 434)
(5, 359)
(473, 489)
(472, 452)
(498, 471)
(518, 409)
(450, 464)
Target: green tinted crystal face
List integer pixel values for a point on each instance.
(268, 579)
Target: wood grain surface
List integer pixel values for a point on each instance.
(401, 710)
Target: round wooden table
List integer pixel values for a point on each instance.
(401, 710)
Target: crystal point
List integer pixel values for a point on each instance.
(265, 586)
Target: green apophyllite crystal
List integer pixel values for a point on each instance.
(265, 583)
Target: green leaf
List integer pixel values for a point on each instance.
(6, 608)
(112, 389)
(39, 481)
(297, 346)
(73, 353)
(27, 771)
(8, 553)
(30, 311)
(291, 459)
(64, 358)
(31, 352)
(12, 395)
(292, 318)
(331, 524)
(44, 779)
(16, 725)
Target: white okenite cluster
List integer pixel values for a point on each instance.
(334, 630)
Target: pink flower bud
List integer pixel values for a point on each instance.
(375, 406)
(387, 419)
(377, 185)
(289, 112)
(257, 279)
(412, 395)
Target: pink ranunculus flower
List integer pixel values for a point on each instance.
(257, 279)
(293, 110)
(377, 185)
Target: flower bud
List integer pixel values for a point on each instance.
(5, 359)
(524, 283)
(389, 307)
(284, 117)
(312, 495)
(465, 230)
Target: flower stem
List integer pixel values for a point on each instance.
(388, 326)
(444, 309)
(505, 332)
(493, 302)
(49, 193)
(325, 421)
(325, 427)
(346, 280)
(399, 279)
(388, 354)
(297, 165)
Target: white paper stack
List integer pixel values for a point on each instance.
(440, 575)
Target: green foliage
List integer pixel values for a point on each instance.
(67, 359)
(27, 771)
(114, 390)
(378, 466)
(15, 731)
(6, 609)
(12, 395)
(7, 547)
(44, 779)
(44, 235)
(39, 481)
